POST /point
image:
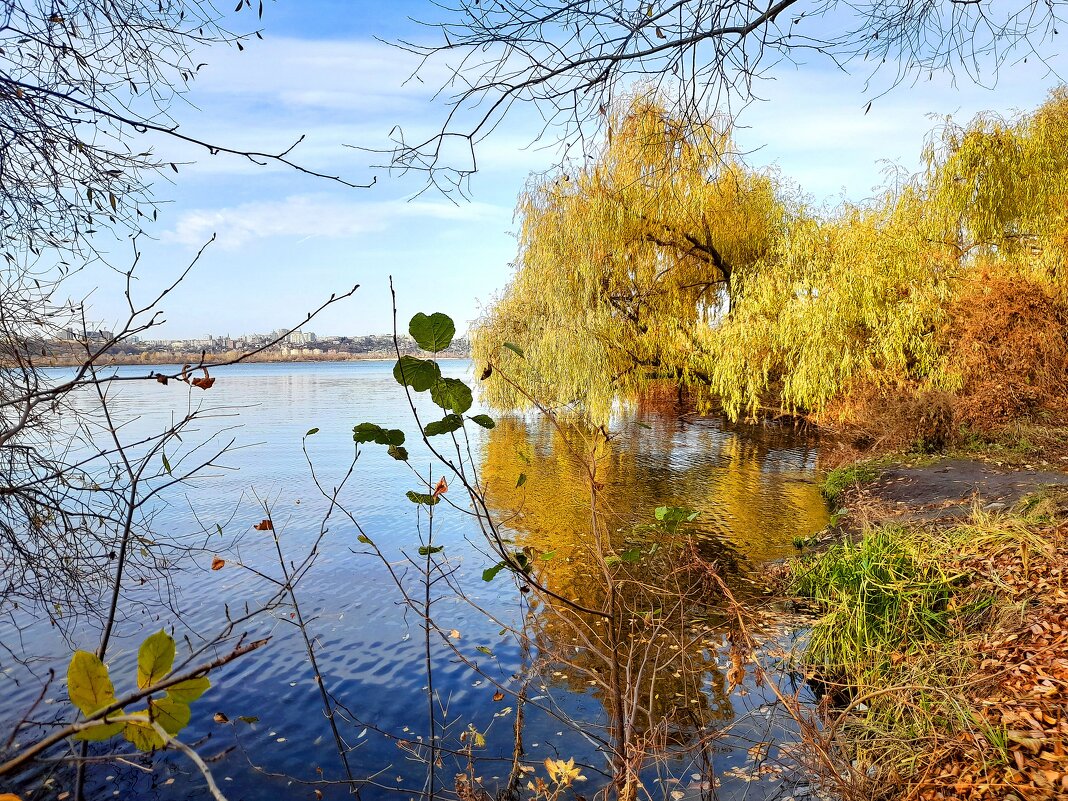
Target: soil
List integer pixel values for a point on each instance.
(951, 488)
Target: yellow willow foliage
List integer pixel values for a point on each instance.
(620, 262)
(667, 259)
(859, 296)
(998, 191)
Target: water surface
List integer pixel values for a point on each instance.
(753, 490)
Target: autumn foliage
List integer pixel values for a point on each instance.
(937, 309)
(1009, 336)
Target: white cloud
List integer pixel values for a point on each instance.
(815, 123)
(321, 216)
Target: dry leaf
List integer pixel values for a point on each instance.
(217, 563)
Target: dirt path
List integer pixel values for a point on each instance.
(952, 488)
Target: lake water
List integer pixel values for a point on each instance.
(499, 648)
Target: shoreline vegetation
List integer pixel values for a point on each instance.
(940, 644)
(925, 323)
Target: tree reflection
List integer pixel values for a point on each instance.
(580, 504)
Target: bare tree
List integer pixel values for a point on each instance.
(570, 59)
(86, 88)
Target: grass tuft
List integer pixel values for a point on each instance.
(840, 479)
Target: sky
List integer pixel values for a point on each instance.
(284, 242)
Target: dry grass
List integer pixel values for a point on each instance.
(944, 653)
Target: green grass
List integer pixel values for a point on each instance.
(881, 598)
(903, 612)
(1047, 505)
(840, 479)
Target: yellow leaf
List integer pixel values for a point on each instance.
(189, 690)
(155, 658)
(142, 735)
(97, 734)
(88, 683)
(172, 715)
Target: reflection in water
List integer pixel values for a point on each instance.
(581, 506)
(645, 674)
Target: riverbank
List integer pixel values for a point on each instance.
(198, 358)
(941, 645)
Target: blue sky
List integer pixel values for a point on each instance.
(285, 241)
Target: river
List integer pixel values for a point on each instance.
(499, 646)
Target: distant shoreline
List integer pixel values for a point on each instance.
(209, 359)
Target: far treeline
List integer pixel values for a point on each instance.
(939, 308)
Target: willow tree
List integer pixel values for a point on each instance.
(850, 299)
(621, 261)
(998, 191)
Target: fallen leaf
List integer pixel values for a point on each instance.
(264, 525)
(454, 634)
(217, 563)
(498, 696)
(220, 717)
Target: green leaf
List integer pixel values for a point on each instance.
(189, 690)
(645, 425)
(142, 735)
(249, 719)
(312, 431)
(398, 453)
(490, 573)
(521, 480)
(548, 555)
(675, 514)
(483, 420)
(446, 425)
(612, 560)
(426, 550)
(419, 374)
(88, 683)
(366, 432)
(433, 333)
(631, 555)
(422, 497)
(171, 714)
(482, 649)
(155, 659)
(372, 432)
(451, 394)
(365, 539)
(166, 464)
(515, 349)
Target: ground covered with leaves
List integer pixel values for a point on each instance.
(1018, 698)
(941, 645)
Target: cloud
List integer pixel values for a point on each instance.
(321, 216)
(815, 123)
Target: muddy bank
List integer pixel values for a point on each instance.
(947, 490)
